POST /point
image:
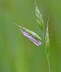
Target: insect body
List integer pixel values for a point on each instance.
(32, 36)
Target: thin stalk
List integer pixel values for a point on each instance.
(46, 44)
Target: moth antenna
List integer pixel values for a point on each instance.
(19, 26)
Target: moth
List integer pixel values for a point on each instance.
(32, 36)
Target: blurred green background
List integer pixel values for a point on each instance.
(18, 54)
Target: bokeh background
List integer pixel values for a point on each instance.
(18, 54)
